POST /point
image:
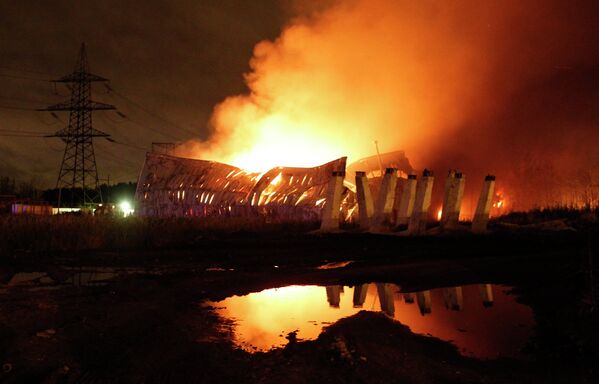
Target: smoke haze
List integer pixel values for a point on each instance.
(506, 87)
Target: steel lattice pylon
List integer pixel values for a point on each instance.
(78, 168)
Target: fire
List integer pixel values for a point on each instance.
(412, 74)
(500, 204)
(439, 214)
(329, 86)
(277, 179)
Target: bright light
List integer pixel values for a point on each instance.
(126, 208)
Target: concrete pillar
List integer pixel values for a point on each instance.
(408, 298)
(452, 201)
(332, 206)
(334, 295)
(453, 298)
(360, 295)
(365, 203)
(406, 201)
(486, 293)
(424, 190)
(424, 302)
(385, 292)
(385, 200)
(483, 208)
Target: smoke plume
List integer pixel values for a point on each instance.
(505, 87)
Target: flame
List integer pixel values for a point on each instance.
(439, 214)
(413, 74)
(277, 179)
(329, 86)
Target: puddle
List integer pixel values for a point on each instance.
(483, 320)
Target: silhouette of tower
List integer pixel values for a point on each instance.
(78, 170)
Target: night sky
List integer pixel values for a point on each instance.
(175, 59)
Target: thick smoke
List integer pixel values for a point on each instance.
(506, 87)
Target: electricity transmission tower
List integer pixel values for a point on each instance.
(78, 171)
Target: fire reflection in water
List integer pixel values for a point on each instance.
(481, 320)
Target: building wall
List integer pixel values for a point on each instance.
(31, 209)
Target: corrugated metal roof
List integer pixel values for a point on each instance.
(175, 186)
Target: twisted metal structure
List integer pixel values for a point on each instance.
(175, 186)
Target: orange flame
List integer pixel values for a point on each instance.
(329, 86)
(410, 74)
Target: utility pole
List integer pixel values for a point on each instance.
(78, 168)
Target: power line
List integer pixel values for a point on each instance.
(22, 131)
(17, 108)
(20, 69)
(25, 100)
(127, 145)
(47, 142)
(23, 77)
(18, 135)
(112, 140)
(127, 119)
(149, 112)
(114, 158)
(41, 120)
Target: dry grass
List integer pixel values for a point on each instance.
(577, 218)
(84, 232)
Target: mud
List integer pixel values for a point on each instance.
(147, 323)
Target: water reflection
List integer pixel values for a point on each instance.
(360, 295)
(481, 320)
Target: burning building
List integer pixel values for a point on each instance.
(176, 186)
(375, 166)
(171, 186)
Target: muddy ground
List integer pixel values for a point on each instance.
(152, 327)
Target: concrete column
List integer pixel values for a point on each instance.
(334, 295)
(385, 200)
(385, 292)
(424, 302)
(483, 208)
(452, 201)
(360, 295)
(453, 298)
(406, 202)
(486, 293)
(424, 190)
(365, 203)
(332, 206)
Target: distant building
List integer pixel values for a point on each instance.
(40, 209)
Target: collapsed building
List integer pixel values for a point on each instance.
(386, 193)
(175, 186)
(374, 166)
